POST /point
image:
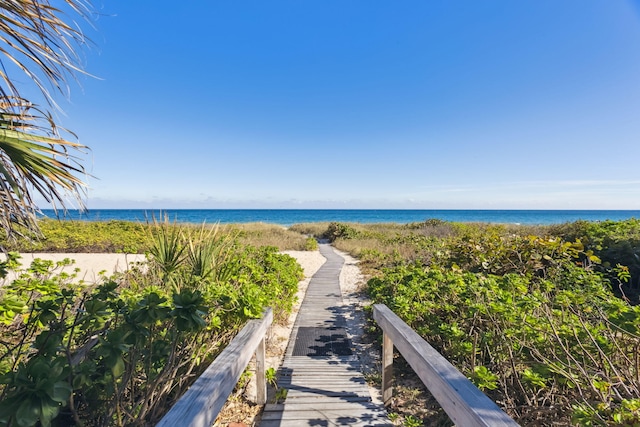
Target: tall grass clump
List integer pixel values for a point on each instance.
(207, 252)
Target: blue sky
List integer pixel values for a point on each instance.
(362, 104)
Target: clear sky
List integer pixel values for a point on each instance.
(429, 104)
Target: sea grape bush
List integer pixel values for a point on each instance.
(122, 352)
(531, 320)
(338, 230)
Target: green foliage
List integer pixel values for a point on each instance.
(39, 391)
(315, 229)
(262, 234)
(311, 244)
(271, 377)
(134, 237)
(122, 352)
(531, 320)
(626, 413)
(42, 40)
(337, 230)
(167, 248)
(484, 379)
(281, 395)
(84, 236)
(614, 242)
(411, 421)
(432, 222)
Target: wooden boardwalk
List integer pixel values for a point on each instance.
(325, 386)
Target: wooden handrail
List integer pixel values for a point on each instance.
(200, 405)
(465, 404)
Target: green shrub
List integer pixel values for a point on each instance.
(614, 242)
(337, 230)
(311, 244)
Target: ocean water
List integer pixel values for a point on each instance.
(288, 217)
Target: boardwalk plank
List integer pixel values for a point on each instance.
(324, 422)
(324, 385)
(352, 413)
(372, 407)
(293, 394)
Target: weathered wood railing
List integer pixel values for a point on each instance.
(200, 405)
(465, 404)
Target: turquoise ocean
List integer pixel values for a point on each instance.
(288, 217)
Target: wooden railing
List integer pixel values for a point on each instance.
(465, 404)
(200, 405)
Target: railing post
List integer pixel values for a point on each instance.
(387, 368)
(261, 378)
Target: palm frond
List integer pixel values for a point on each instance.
(33, 157)
(39, 39)
(36, 38)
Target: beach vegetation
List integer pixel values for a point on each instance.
(614, 242)
(311, 244)
(135, 237)
(544, 319)
(122, 351)
(264, 234)
(314, 229)
(83, 237)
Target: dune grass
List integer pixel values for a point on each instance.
(263, 234)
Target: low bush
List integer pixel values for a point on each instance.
(615, 242)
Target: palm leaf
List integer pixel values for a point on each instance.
(33, 157)
(41, 41)
(35, 37)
